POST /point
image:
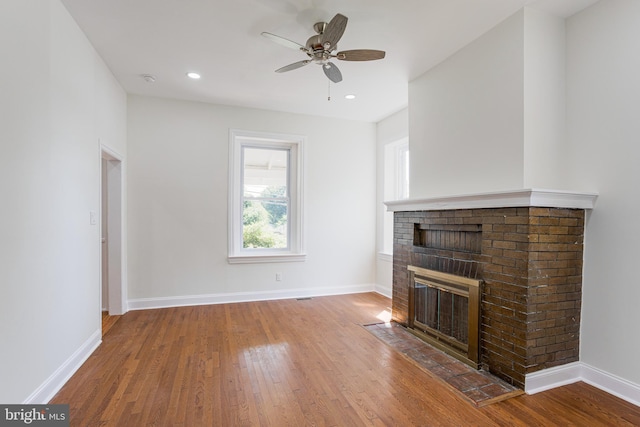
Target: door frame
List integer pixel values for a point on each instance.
(115, 220)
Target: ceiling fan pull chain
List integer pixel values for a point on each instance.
(329, 90)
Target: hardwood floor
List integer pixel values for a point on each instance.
(290, 363)
(108, 321)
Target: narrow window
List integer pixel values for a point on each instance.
(396, 184)
(265, 216)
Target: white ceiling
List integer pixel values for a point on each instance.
(220, 39)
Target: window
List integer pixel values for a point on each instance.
(265, 197)
(396, 184)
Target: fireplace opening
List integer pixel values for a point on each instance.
(444, 310)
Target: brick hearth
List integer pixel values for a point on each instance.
(530, 259)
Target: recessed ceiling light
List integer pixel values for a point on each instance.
(350, 96)
(193, 75)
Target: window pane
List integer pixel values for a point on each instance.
(265, 171)
(264, 224)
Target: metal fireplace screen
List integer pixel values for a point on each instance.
(444, 310)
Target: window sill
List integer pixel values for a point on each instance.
(254, 259)
(384, 256)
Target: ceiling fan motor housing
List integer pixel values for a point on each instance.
(315, 43)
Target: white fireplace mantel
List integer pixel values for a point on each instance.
(500, 199)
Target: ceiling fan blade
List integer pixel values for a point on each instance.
(360, 55)
(284, 42)
(334, 31)
(332, 72)
(293, 66)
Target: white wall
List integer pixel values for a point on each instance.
(603, 90)
(495, 110)
(57, 99)
(466, 117)
(544, 99)
(177, 194)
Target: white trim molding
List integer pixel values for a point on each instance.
(579, 371)
(116, 225)
(552, 378)
(384, 291)
(226, 298)
(501, 199)
(253, 259)
(43, 394)
(385, 257)
(239, 140)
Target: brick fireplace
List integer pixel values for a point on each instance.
(527, 249)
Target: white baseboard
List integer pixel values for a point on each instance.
(43, 394)
(383, 290)
(552, 378)
(579, 371)
(181, 301)
(612, 384)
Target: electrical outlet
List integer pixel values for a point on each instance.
(278, 277)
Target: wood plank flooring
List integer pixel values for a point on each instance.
(108, 321)
(290, 363)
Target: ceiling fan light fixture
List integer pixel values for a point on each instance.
(350, 96)
(193, 75)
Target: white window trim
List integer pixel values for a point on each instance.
(401, 149)
(395, 186)
(296, 251)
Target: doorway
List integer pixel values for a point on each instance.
(112, 282)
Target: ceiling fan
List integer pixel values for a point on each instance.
(320, 48)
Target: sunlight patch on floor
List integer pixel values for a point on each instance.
(385, 316)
